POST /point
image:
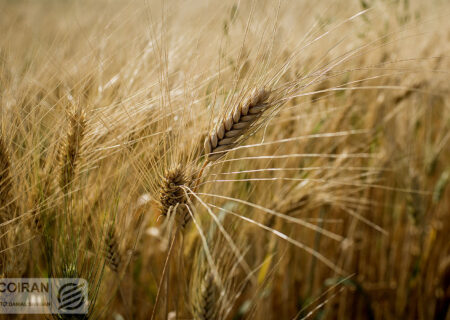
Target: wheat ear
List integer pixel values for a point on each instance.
(71, 148)
(172, 197)
(206, 309)
(112, 251)
(232, 128)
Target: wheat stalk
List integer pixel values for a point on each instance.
(223, 138)
(233, 126)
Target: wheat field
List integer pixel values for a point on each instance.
(230, 159)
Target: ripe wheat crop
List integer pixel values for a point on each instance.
(228, 159)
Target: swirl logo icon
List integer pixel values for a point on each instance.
(72, 296)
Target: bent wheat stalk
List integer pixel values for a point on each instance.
(229, 132)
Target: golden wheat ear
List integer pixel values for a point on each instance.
(113, 254)
(172, 196)
(207, 310)
(232, 128)
(70, 151)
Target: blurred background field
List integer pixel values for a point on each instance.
(355, 164)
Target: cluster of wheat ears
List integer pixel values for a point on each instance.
(229, 160)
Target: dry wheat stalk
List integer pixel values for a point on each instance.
(70, 150)
(233, 127)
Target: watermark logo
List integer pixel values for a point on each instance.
(71, 296)
(43, 296)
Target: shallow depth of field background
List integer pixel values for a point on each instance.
(356, 162)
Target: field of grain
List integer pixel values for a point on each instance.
(229, 159)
